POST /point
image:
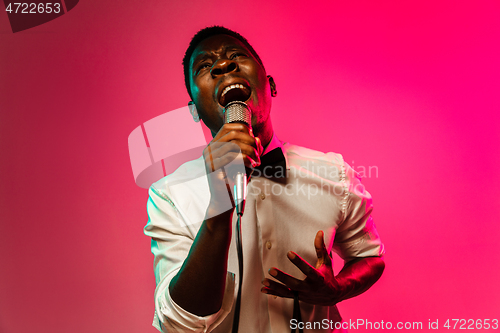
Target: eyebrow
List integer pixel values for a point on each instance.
(204, 54)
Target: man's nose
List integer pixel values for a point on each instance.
(223, 66)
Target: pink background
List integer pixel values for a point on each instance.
(409, 87)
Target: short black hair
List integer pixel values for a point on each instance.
(204, 34)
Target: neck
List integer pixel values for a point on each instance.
(265, 133)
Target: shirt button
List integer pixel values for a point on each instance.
(262, 196)
(269, 245)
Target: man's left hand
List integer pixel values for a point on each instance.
(320, 286)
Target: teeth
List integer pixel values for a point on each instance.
(233, 86)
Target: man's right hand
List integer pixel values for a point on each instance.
(203, 273)
(233, 140)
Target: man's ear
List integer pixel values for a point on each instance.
(274, 92)
(193, 111)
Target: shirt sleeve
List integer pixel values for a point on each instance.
(356, 236)
(171, 240)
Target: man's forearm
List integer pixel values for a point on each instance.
(199, 285)
(359, 275)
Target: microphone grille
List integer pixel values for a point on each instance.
(237, 112)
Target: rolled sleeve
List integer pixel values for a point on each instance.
(171, 241)
(357, 236)
(170, 317)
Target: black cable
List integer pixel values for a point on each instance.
(296, 311)
(239, 248)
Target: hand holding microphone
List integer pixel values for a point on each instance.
(239, 112)
(233, 138)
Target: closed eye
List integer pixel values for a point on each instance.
(202, 66)
(236, 55)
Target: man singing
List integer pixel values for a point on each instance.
(300, 207)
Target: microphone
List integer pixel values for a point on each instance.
(239, 112)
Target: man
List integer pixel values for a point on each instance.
(291, 222)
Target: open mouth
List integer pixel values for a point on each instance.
(234, 92)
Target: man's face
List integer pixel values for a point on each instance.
(222, 70)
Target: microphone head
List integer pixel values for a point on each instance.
(238, 111)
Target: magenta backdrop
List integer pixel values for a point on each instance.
(408, 88)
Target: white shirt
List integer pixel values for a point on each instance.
(321, 192)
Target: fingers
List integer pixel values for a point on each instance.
(237, 127)
(231, 140)
(288, 280)
(321, 251)
(319, 287)
(260, 148)
(277, 289)
(220, 154)
(319, 244)
(235, 132)
(304, 266)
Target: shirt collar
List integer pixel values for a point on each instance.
(276, 143)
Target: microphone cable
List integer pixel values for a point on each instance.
(238, 111)
(239, 248)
